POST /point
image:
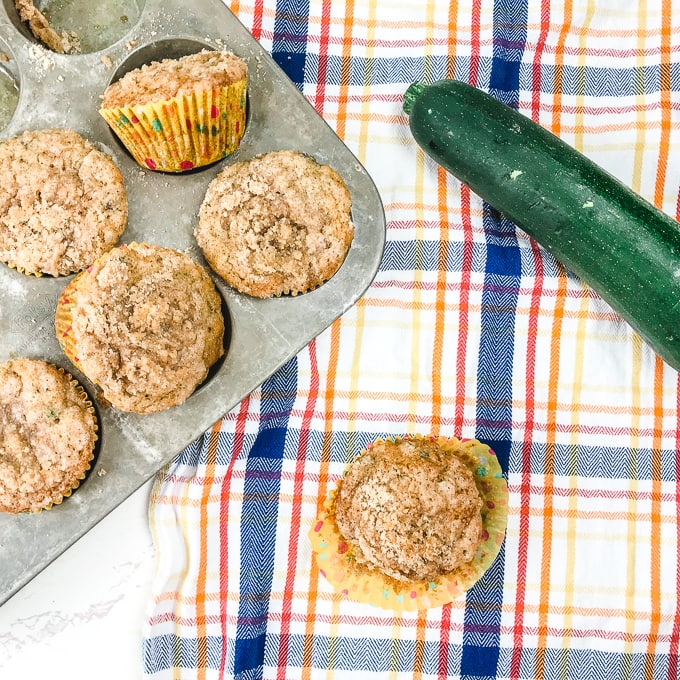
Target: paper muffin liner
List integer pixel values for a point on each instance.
(358, 582)
(82, 394)
(185, 132)
(22, 270)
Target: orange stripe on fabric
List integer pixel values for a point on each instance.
(201, 633)
(665, 97)
(655, 522)
(313, 589)
(655, 548)
(553, 383)
(345, 63)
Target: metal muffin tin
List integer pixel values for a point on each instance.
(58, 90)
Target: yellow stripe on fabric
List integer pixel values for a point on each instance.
(572, 504)
(638, 157)
(184, 523)
(577, 389)
(416, 324)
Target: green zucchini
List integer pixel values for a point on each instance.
(623, 247)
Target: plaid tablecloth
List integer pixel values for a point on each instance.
(470, 329)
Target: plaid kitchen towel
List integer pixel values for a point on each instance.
(469, 329)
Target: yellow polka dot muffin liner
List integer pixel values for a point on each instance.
(358, 582)
(185, 132)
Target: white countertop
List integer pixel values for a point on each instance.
(82, 617)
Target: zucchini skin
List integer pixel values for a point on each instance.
(622, 246)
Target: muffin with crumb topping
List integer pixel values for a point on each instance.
(62, 202)
(413, 523)
(48, 430)
(178, 114)
(144, 323)
(276, 224)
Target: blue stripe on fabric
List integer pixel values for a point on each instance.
(289, 45)
(483, 605)
(259, 517)
(373, 656)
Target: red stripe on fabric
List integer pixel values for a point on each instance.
(536, 69)
(474, 41)
(464, 309)
(522, 549)
(256, 29)
(323, 57)
(296, 512)
(239, 438)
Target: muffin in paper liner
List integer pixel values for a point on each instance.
(185, 132)
(25, 484)
(137, 339)
(359, 582)
(66, 302)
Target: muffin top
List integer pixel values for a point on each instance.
(277, 224)
(410, 509)
(169, 78)
(62, 202)
(144, 323)
(47, 435)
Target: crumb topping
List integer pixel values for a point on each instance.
(169, 78)
(47, 435)
(62, 202)
(276, 224)
(147, 323)
(410, 509)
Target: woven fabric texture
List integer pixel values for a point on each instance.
(470, 329)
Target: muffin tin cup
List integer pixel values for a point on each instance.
(62, 90)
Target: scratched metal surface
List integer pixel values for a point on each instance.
(64, 91)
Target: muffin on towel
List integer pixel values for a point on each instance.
(413, 523)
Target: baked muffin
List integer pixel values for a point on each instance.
(62, 202)
(178, 114)
(413, 523)
(144, 323)
(48, 430)
(277, 224)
